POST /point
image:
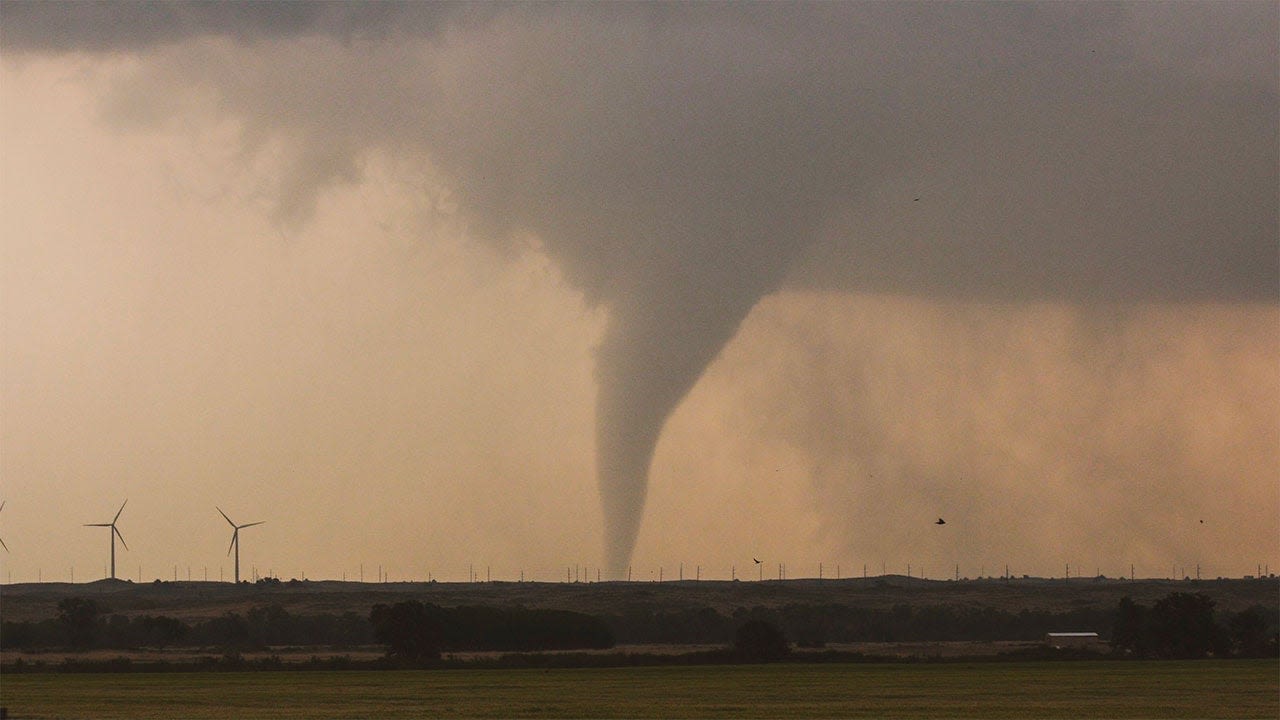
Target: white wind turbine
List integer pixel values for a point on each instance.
(235, 539)
(115, 532)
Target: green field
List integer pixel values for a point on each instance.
(1193, 689)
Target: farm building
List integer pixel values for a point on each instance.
(1071, 639)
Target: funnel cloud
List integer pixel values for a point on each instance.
(680, 163)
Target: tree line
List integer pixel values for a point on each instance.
(85, 624)
(1179, 625)
(817, 625)
(1184, 625)
(421, 631)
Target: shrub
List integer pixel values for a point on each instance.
(760, 641)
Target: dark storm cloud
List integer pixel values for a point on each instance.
(137, 26)
(681, 161)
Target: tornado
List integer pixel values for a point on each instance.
(651, 355)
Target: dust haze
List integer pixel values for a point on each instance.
(428, 280)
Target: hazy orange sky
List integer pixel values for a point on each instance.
(386, 276)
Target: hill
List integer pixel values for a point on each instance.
(194, 601)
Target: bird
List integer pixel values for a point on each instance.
(941, 522)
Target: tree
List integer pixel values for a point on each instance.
(1130, 632)
(79, 619)
(760, 641)
(229, 630)
(270, 625)
(1249, 634)
(409, 630)
(161, 631)
(1182, 626)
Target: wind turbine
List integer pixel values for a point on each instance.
(115, 532)
(235, 539)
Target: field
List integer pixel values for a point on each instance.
(1192, 689)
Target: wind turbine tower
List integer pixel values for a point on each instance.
(235, 539)
(115, 532)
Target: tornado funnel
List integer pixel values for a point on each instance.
(653, 351)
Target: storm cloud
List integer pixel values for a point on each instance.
(681, 162)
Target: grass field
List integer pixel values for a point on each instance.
(1194, 689)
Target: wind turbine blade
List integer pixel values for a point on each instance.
(6, 547)
(116, 530)
(98, 525)
(234, 535)
(117, 517)
(224, 515)
(1, 504)
(241, 527)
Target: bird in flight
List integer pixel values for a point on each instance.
(941, 522)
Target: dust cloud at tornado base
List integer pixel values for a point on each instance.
(1046, 435)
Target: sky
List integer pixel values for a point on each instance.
(443, 289)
